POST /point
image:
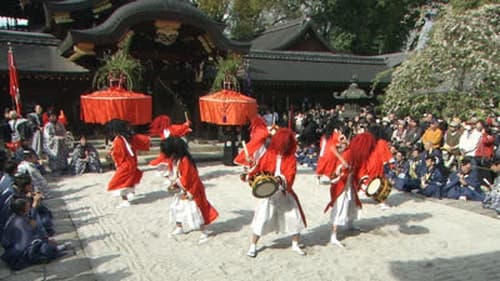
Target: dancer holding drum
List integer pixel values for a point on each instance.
(281, 211)
(257, 144)
(344, 201)
(372, 173)
(190, 209)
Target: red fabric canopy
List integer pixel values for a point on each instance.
(227, 107)
(116, 102)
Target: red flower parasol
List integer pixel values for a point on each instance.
(116, 103)
(227, 107)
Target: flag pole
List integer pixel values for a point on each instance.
(13, 80)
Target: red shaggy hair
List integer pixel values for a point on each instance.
(360, 148)
(284, 142)
(158, 124)
(257, 122)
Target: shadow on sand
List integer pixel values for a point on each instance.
(466, 268)
(320, 235)
(233, 225)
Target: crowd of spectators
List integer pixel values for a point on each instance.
(441, 158)
(26, 224)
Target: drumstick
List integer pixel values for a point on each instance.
(245, 149)
(486, 181)
(186, 115)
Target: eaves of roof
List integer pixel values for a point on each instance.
(116, 26)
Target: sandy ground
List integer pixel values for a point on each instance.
(415, 240)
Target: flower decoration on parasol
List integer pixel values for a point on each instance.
(116, 103)
(227, 107)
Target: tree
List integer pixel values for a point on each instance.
(368, 27)
(216, 9)
(457, 73)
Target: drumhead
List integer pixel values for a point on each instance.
(265, 189)
(373, 186)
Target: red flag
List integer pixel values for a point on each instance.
(14, 83)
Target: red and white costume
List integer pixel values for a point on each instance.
(256, 146)
(327, 160)
(125, 157)
(161, 126)
(344, 201)
(194, 212)
(380, 156)
(282, 211)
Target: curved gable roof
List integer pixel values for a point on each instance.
(118, 24)
(282, 36)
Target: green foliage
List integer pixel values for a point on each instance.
(227, 71)
(216, 9)
(464, 5)
(457, 73)
(121, 63)
(368, 27)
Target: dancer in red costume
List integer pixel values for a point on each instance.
(257, 144)
(344, 201)
(329, 155)
(163, 127)
(190, 209)
(124, 154)
(282, 211)
(380, 156)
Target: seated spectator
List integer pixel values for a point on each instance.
(21, 151)
(85, 158)
(29, 166)
(432, 180)
(433, 134)
(464, 184)
(308, 156)
(452, 137)
(399, 173)
(492, 198)
(7, 179)
(429, 150)
(413, 133)
(38, 212)
(23, 244)
(398, 135)
(469, 140)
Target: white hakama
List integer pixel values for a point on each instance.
(184, 211)
(187, 213)
(345, 210)
(279, 213)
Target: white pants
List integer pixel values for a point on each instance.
(187, 213)
(278, 213)
(344, 211)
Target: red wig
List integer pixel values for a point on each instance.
(284, 142)
(257, 122)
(159, 124)
(360, 149)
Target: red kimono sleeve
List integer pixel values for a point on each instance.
(179, 130)
(289, 170)
(118, 153)
(141, 142)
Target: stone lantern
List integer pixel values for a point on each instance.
(352, 97)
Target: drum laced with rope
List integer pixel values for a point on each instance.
(263, 185)
(379, 189)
